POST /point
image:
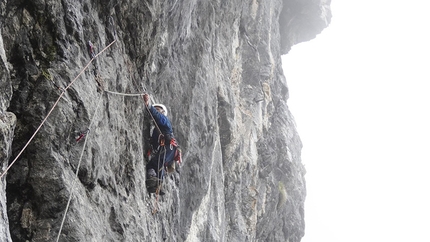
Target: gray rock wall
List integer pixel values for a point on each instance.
(7, 126)
(215, 64)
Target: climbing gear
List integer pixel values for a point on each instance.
(178, 155)
(162, 107)
(77, 168)
(125, 94)
(58, 87)
(82, 135)
(170, 167)
(161, 140)
(91, 49)
(55, 104)
(164, 142)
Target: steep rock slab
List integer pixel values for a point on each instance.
(7, 126)
(216, 65)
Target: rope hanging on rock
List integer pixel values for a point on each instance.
(159, 184)
(77, 168)
(55, 104)
(147, 109)
(125, 94)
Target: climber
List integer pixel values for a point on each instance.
(164, 148)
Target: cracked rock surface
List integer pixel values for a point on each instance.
(216, 65)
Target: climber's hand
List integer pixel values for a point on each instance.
(146, 99)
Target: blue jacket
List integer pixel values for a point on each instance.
(165, 156)
(165, 126)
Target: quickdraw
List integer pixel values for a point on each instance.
(82, 135)
(161, 140)
(91, 50)
(173, 143)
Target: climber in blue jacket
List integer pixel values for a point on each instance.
(163, 144)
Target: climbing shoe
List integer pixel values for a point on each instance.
(151, 173)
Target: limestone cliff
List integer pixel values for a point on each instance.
(215, 64)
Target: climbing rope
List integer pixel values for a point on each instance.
(55, 104)
(77, 168)
(82, 153)
(150, 114)
(125, 94)
(147, 108)
(159, 184)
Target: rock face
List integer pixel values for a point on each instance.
(215, 64)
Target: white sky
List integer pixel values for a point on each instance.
(360, 94)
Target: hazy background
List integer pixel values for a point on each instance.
(360, 94)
